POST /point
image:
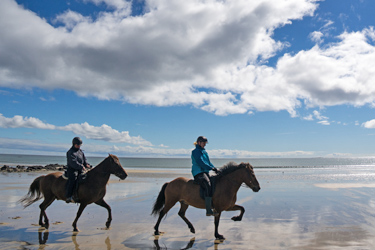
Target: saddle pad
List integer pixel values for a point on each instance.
(213, 187)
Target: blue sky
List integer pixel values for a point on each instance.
(262, 78)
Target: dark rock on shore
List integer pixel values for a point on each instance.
(18, 169)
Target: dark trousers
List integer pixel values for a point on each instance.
(204, 181)
(72, 178)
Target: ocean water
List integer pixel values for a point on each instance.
(185, 163)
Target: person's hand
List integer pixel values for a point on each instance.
(88, 166)
(217, 171)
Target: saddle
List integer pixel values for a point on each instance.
(80, 180)
(213, 186)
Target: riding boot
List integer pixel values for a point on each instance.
(210, 211)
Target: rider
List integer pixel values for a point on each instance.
(200, 170)
(77, 164)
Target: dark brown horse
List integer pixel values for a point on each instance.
(52, 186)
(187, 193)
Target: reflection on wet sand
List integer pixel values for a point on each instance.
(108, 243)
(74, 240)
(292, 212)
(43, 237)
(189, 245)
(76, 245)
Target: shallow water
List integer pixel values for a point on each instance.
(320, 208)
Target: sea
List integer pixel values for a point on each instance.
(185, 163)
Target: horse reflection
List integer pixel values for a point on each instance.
(43, 237)
(74, 240)
(76, 245)
(188, 246)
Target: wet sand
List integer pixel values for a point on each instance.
(295, 209)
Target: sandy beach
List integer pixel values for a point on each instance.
(295, 209)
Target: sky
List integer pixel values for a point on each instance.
(145, 78)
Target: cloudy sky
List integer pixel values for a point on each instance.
(264, 78)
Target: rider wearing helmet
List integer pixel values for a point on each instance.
(201, 166)
(77, 163)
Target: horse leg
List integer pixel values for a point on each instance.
(104, 204)
(235, 208)
(43, 206)
(217, 235)
(182, 212)
(80, 210)
(164, 211)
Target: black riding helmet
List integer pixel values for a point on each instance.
(77, 140)
(202, 138)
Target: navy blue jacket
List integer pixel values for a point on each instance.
(76, 159)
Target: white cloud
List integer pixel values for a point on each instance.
(369, 124)
(319, 116)
(325, 123)
(205, 54)
(102, 133)
(179, 53)
(309, 118)
(23, 122)
(117, 4)
(71, 19)
(316, 36)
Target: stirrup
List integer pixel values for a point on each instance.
(69, 200)
(215, 213)
(209, 213)
(212, 213)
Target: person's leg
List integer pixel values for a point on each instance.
(204, 182)
(70, 184)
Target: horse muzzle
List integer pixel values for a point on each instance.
(256, 189)
(122, 176)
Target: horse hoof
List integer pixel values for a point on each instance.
(236, 218)
(192, 230)
(220, 237)
(158, 233)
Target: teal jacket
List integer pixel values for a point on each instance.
(201, 161)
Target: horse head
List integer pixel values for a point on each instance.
(115, 167)
(250, 179)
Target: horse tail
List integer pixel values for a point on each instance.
(160, 201)
(34, 193)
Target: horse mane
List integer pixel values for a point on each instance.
(99, 166)
(230, 167)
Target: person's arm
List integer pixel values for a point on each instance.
(199, 159)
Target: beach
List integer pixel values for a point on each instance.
(296, 208)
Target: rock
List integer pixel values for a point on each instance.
(20, 168)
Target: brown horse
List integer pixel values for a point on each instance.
(52, 186)
(186, 192)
